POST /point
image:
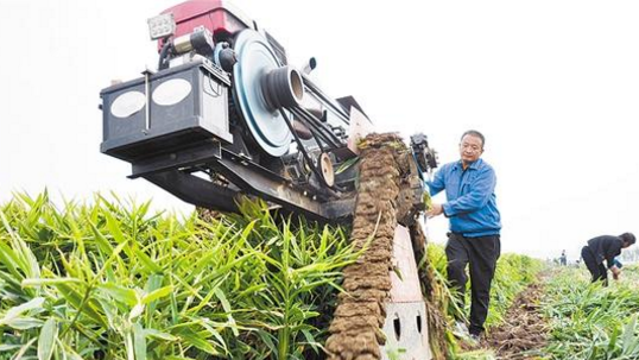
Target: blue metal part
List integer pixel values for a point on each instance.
(256, 58)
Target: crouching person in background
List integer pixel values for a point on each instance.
(605, 247)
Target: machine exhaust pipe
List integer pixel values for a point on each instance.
(309, 66)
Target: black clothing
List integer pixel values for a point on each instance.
(605, 247)
(597, 270)
(482, 254)
(601, 248)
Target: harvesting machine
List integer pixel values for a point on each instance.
(226, 115)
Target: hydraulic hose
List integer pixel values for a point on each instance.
(163, 63)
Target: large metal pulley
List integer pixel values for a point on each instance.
(262, 88)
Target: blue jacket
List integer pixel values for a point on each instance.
(472, 205)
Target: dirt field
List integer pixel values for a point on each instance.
(523, 332)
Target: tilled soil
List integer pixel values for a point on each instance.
(523, 333)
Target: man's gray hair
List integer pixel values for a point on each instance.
(476, 134)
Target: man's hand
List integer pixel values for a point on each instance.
(436, 209)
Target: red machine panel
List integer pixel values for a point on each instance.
(219, 16)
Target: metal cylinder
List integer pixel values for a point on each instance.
(326, 167)
(309, 66)
(283, 88)
(200, 40)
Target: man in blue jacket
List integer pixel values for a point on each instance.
(474, 224)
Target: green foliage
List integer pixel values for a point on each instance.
(482, 354)
(112, 281)
(589, 321)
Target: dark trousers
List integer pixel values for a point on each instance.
(597, 269)
(481, 253)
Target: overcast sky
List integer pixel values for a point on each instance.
(553, 85)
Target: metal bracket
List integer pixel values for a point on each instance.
(208, 152)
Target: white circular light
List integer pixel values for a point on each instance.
(171, 92)
(128, 104)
